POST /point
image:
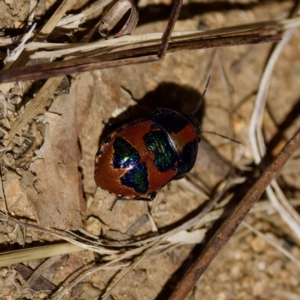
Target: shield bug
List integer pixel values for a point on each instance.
(139, 158)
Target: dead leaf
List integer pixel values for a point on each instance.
(57, 191)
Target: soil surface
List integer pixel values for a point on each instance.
(48, 170)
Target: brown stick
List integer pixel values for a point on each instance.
(229, 226)
(126, 57)
(168, 33)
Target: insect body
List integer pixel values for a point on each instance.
(139, 158)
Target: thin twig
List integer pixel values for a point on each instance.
(2, 194)
(229, 226)
(168, 32)
(148, 46)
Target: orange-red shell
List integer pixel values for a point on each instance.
(165, 144)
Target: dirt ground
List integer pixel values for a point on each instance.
(48, 170)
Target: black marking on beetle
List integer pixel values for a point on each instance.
(131, 123)
(125, 155)
(169, 120)
(152, 195)
(99, 152)
(158, 143)
(187, 158)
(195, 123)
(107, 140)
(141, 198)
(119, 129)
(137, 178)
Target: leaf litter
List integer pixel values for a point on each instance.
(50, 180)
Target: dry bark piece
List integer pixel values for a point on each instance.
(57, 192)
(41, 284)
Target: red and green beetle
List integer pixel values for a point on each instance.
(141, 157)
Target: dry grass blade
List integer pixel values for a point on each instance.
(74, 20)
(11, 58)
(231, 223)
(100, 248)
(55, 18)
(143, 48)
(19, 256)
(133, 41)
(72, 246)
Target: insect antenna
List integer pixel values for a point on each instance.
(198, 106)
(222, 136)
(202, 97)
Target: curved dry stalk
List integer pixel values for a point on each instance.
(285, 209)
(115, 14)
